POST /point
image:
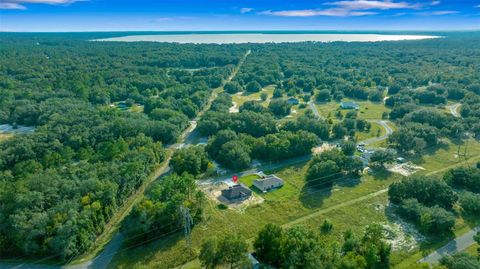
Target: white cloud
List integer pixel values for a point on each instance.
(438, 13)
(246, 10)
(434, 3)
(162, 19)
(477, 6)
(334, 12)
(50, 2)
(19, 4)
(370, 4)
(444, 12)
(346, 8)
(176, 18)
(11, 6)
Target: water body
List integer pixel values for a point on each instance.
(264, 38)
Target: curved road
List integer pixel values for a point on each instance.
(458, 244)
(388, 129)
(454, 109)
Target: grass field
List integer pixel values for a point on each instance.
(292, 202)
(4, 137)
(243, 97)
(375, 131)
(368, 110)
(473, 250)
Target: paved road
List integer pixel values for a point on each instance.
(388, 132)
(102, 260)
(454, 109)
(458, 244)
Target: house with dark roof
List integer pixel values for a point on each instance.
(293, 101)
(237, 193)
(349, 105)
(268, 183)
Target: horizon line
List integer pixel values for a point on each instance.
(204, 31)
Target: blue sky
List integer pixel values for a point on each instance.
(178, 15)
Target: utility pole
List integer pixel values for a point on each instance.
(187, 224)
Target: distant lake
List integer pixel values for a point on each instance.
(263, 38)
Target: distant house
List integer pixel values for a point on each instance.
(349, 105)
(237, 193)
(268, 183)
(292, 101)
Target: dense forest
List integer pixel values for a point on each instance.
(103, 114)
(60, 184)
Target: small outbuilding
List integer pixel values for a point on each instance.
(237, 193)
(349, 105)
(268, 183)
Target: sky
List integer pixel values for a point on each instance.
(215, 15)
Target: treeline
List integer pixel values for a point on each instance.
(333, 164)
(430, 202)
(299, 247)
(165, 208)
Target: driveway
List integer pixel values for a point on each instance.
(454, 109)
(458, 244)
(314, 109)
(388, 132)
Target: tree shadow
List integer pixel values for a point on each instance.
(245, 93)
(349, 182)
(313, 197)
(381, 174)
(419, 158)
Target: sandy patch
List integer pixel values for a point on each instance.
(404, 169)
(322, 148)
(401, 234)
(234, 108)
